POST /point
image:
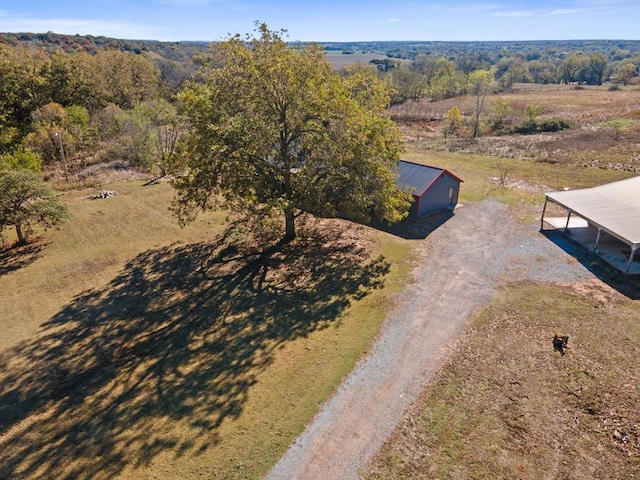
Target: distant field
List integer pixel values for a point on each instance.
(605, 132)
(340, 60)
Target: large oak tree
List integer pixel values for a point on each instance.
(275, 131)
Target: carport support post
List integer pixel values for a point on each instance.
(633, 252)
(566, 227)
(595, 246)
(546, 199)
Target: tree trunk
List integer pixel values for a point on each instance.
(479, 106)
(21, 239)
(475, 125)
(289, 213)
(290, 225)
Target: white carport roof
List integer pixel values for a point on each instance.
(614, 207)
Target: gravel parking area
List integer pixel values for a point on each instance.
(459, 266)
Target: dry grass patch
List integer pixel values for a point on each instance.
(606, 132)
(135, 349)
(525, 181)
(508, 406)
(87, 251)
(339, 61)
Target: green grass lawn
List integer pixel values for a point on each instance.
(534, 178)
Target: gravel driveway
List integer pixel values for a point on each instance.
(459, 266)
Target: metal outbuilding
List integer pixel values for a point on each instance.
(433, 188)
(613, 209)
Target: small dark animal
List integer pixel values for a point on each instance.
(560, 341)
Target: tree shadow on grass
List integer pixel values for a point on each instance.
(15, 257)
(179, 337)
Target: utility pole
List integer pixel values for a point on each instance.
(64, 160)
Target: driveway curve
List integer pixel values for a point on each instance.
(460, 264)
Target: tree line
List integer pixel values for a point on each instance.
(438, 77)
(51, 42)
(63, 109)
(90, 106)
(62, 112)
(262, 128)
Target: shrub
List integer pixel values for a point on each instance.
(541, 126)
(452, 122)
(21, 158)
(553, 125)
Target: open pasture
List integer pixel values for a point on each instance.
(605, 129)
(132, 348)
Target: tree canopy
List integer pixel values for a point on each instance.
(26, 201)
(275, 132)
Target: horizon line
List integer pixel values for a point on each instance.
(336, 41)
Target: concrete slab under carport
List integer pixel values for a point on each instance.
(610, 249)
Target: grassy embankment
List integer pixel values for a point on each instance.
(525, 180)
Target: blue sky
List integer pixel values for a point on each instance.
(330, 20)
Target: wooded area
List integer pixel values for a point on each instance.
(102, 99)
(68, 102)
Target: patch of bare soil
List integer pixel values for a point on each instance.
(508, 405)
(460, 265)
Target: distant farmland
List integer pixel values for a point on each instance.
(340, 60)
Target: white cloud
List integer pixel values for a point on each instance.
(323, 21)
(564, 11)
(516, 14)
(393, 20)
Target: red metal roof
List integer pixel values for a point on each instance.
(416, 178)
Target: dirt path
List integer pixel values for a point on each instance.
(460, 264)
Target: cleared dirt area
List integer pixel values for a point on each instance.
(460, 265)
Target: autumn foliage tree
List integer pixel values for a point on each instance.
(583, 69)
(480, 84)
(275, 132)
(452, 122)
(26, 202)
